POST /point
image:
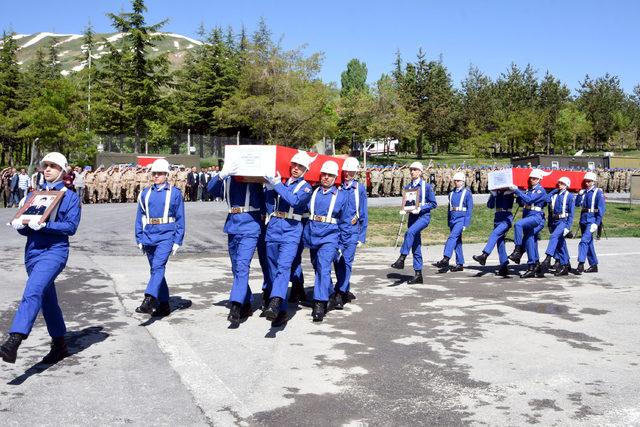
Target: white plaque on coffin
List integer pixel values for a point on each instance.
(252, 160)
(500, 179)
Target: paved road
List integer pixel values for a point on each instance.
(464, 348)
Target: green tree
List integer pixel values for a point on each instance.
(552, 96)
(600, 99)
(10, 81)
(354, 78)
(573, 129)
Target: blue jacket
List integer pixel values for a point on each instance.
(282, 198)
(358, 220)
(317, 233)
(426, 196)
(592, 206)
(55, 235)
(534, 197)
(13, 183)
(153, 234)
(235, 194)
(501, 200)
(460, 198)
(561, 208)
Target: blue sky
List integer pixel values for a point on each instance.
(568, 38)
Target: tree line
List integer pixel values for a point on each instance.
(248, 84)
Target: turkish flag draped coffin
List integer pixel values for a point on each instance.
(521, 178)
(147, 160)
(256, 161)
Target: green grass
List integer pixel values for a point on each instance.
(621, 220)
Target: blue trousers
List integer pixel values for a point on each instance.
(413, 240)
(344, 266)
(525, 234)
(557, 246)
(454, 241)
(264, 261)
(241, 250)
(586, 248)
(158, 257)
(496, 238)
(281, 256)
(321, 258)
(297, 275)
(40, 292)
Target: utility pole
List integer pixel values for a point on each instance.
(89, 99)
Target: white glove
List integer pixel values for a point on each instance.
(581, 192)
(593, 228)
(230, 168)
(269, 186)
(273, 180)
(403, 212)
(17, 224)
(494, 193)
(513, 187)
(565, 232)
(141, 248)
(34, 225)
(359, 244)
(175, 248)
(464, 228)
(339, 254)
(415, 211)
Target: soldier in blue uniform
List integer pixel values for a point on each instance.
(502, 202)
(592, 204)
(327, 220)
(560, 222)
(159, 231)
(354, 234)
(419, 219)
(526, 230)
(245, 206)
(46, 254)
(459, 218)
(286, 204)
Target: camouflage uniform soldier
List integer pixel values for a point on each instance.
(89, 178)
(115, 185)
(129, 184)
(387, 179)
(406, 176)
(142, 180)
(627, 180)
(473, 179)
(376, 180)
(448, 177)
(397, 181)
(101, 185)
(181, 180)
(484, 180)
(439, 179)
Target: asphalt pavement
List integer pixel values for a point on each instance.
(462, 348)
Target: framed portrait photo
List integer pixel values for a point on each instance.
(39, 206)
(410, 199)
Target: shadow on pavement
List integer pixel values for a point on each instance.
(399, 279)
(176, 303)
(77, 341)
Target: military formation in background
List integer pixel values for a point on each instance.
(123, 183)
(389, 180)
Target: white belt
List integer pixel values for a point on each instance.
(533, 208)
(156, 221)
(590, 210)
(287, 215)
(326, 219)
(503, 210)
(242, 209)
(458, 209)
(560, 216)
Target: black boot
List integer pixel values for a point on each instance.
(592, 269)
(349, 296)
(246, 311)
(297, 293)
(265, 302)
(580, 268)
(147, 306)
(9, 350)
(163, 310)
(338, 300)
(504, 270)
(563, 270)
(417, 278)
(531, 272)
(273, 308)
(399, 264)
(234, 312)
(482, 258)
(557, 266)
(443, 263)
(457, 267)
(540, 270)
(318, 311)
(516, 255)
(546, 264)
(58, 351)
(281, 319)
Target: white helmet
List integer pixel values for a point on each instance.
(459, 176)
(416, 165)
(330, 167)
(565, 180)
(57, 159)
(590, 176)
(302, 159)
(536, 173)
(350, 164)
(160, 165)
